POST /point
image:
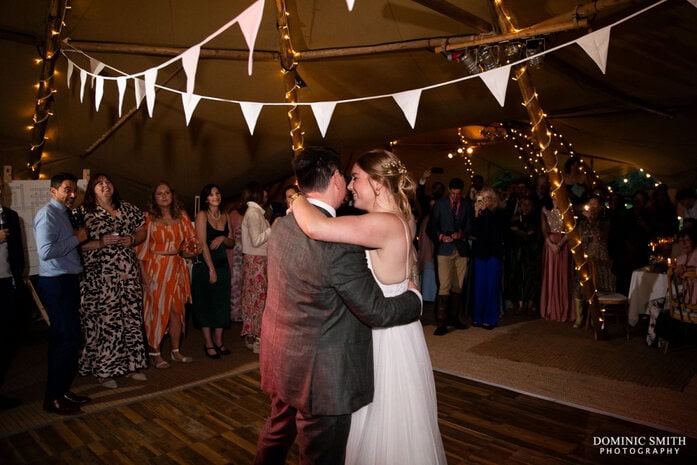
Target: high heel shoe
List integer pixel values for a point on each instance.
(207, 351)
(179, 358)
(221, 349)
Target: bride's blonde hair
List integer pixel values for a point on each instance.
(384, 167)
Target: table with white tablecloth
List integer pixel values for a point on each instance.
(645, 286)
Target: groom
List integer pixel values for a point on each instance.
(316, 349)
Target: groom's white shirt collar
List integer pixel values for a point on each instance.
(323, 205)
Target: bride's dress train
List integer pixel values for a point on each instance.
(400, 426)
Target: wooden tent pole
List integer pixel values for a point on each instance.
(543, 135)
(289, 63)
(44, 100)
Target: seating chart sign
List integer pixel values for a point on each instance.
(26, 198)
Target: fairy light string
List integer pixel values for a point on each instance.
(48, 55)
(543, 135)
(289, 64)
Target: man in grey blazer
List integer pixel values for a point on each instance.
(316, 355)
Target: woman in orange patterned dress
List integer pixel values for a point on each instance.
(166, 285)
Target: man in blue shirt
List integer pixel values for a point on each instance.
(59, 287)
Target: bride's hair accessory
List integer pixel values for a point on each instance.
(394, 168)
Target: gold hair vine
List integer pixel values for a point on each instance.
(394, 168)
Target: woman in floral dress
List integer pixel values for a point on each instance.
(166, 285)
(111, 293)
(255, 234)
(236, 258)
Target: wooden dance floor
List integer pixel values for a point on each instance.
(217, 423)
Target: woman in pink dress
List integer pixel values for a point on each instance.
(557, 274)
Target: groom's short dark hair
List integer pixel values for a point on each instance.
(314, 167)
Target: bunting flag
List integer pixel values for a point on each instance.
(83, 79)
(150, 79)
(249, 21)
(497, 81)
(139, 85)
(694, 2)
(98, 91)
(69, 73)
(190, 63)
(409, 103)
(323, 114)
(189, 101)
(121, 84)
(96, 67)
(596, 45)
(250, 111)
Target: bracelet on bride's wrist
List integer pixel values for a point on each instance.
(295, 196)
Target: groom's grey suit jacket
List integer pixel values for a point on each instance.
(316, 346)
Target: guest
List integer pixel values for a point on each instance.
(488, 230)
(576, 182)
(210, 286)
(166, 286)
(639, 230)
(11, 290)
(525, 252)
(288, 192)
(425, 202)
(236, 258)
(664, 217)
(111, 291)
(255, 234)
(687, 262)
(451, 222)
(688, 201)
(59, 287)
(557, 266)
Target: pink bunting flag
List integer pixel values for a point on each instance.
(190, 63)
(249, 21)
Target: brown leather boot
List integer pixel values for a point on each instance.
(457, 311)
(442, 315)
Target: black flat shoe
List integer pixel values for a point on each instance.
(222, 350)
(207, 351)
(62, 407)
(76, 399)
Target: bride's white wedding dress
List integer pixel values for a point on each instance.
(400, 426)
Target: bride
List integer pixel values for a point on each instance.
(400, 426)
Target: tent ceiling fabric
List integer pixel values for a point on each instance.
(641, 113)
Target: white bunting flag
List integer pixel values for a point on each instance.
(98, 92)
(409, 103)
(497, 81)
(190, 63)
(595, 45)
(83, 79)
(121, 85)
(96, 67)
(189, 101)
(139, 86)
(249, 21)
(150, 79)
(69, 73)
(350, 3)
(323, 114)
(250, 111)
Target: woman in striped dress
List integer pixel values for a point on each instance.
(166, 285)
